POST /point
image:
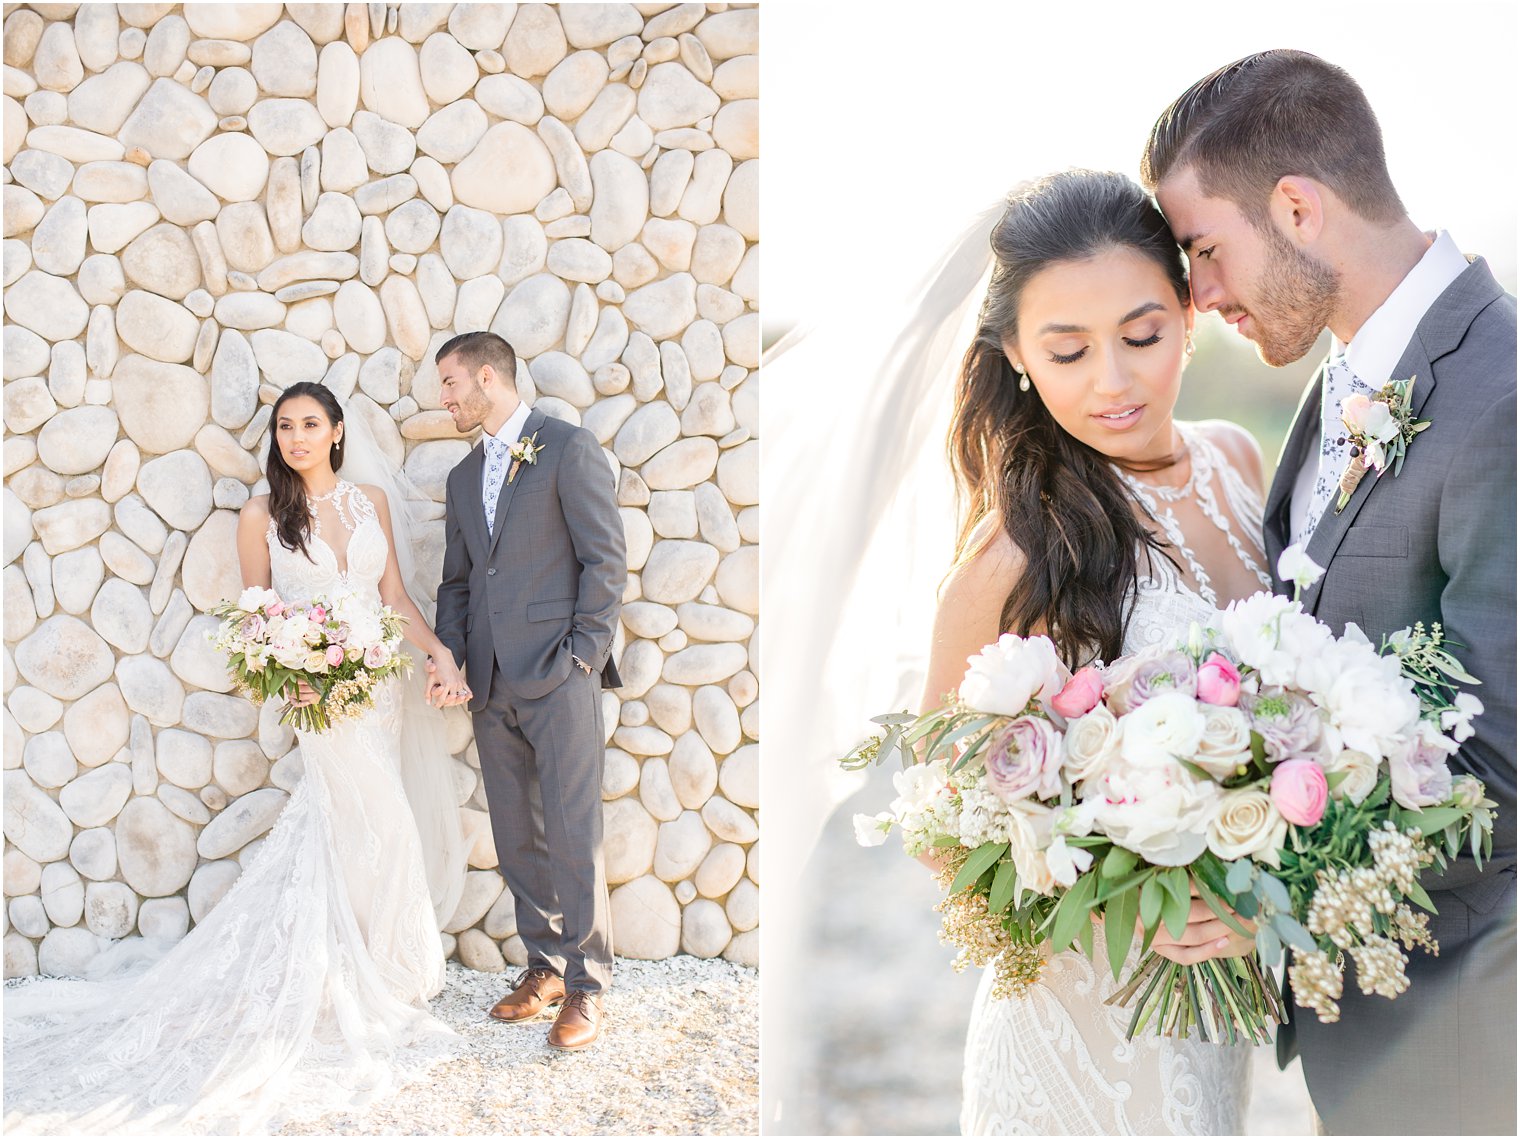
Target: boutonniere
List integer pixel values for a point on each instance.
(524, 451)
(1380, 428)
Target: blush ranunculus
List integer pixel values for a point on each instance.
(1299, 791)
(1219, 681)
(1024, 761)
(1081, 694)
(334, 655)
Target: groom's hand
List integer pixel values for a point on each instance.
(1205, 937)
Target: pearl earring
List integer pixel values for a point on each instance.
(1023, 378)
(1187, 346)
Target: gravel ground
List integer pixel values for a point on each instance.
(679, 1055)
(889, 1022)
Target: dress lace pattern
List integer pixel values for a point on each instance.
(305, 989)
(1055, 1062)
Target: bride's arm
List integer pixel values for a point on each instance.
(252, 546)
(969, 616)
(393, 593)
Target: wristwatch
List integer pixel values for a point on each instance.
(581, 664)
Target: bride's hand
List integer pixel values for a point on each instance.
(446, 683)
(305, 695)
(1204, 938)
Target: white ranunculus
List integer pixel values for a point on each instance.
(1378, 423)
(1361, 774)
(1006, 675)
(1226, 741)
(1246, 823)
(1161, 812)
(1163, 729)
(871, 830)
(1092, 741)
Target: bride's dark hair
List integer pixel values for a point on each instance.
(1059, 500)
(287, 491)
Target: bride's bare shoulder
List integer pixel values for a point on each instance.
(1239, 447)
(255, 512)
(988, 569)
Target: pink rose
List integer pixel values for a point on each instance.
(1081, 694)
(376, 655)
(1025, 760)
(334, 655)
(318, 614)
(1299, 791)
(275, 608)
(1219, 681)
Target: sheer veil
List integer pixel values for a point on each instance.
(426, 770)
(860, 507)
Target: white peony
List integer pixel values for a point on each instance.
(1160, 812)
(1163, 729)
(255, 597)
(1371, 707)
(1006, 675)
(1271, 634)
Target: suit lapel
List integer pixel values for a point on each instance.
(468, 495)
(534, 421)
(1301, 437)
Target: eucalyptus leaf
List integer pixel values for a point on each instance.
(1240, 875)
(1272, 890)
(1292, 933)
(1268, 946)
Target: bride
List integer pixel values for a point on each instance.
(306, 988)
(1096, 519)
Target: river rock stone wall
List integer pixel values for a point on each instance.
(204, 203)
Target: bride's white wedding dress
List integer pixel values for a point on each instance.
(305, 989)
(1055, 1062)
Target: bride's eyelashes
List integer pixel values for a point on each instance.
(1057, 358)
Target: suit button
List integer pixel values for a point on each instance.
(490, 573)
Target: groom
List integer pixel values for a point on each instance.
(1271, 174)
(533, 577)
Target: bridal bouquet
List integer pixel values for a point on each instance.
(342, 648)
(1290, 779)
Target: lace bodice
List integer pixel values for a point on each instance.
(358, 566)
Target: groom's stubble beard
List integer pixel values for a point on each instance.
(1295, 298)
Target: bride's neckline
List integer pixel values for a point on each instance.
(313, 499)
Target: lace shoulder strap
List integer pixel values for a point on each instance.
(1245, 504)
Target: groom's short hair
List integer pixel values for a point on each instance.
(1269, 115)
(476, 349)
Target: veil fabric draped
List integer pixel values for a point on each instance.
(860, 529)
(426, 771)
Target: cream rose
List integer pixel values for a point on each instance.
(1225, 744)
(1361, 774)
(1247, 823)
(1092, 742)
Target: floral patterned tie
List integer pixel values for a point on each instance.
(496, 470)
(1334, 450)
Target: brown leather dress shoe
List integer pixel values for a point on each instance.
(578, 1024)
(534, 991)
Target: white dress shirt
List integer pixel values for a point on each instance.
(1377, 346)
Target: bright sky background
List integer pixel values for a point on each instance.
(888, 125)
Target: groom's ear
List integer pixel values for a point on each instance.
(1297, 208)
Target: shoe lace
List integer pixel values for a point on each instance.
(538, 973)
(580, 1000)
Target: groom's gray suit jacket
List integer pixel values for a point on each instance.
(1434, 544)
(547, 585)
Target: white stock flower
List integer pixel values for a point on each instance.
(1296, 566)
(1247, 823)
(1461, 716)
(1092, 741)
(871, 830)
(1165, 728)
(1006, 675)
(1066, 862)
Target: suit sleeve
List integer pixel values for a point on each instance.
(1477, 551)
(454, 589)
(587, 498)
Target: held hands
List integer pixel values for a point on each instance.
(305, 695)
(446, 686)
(1204, 938)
